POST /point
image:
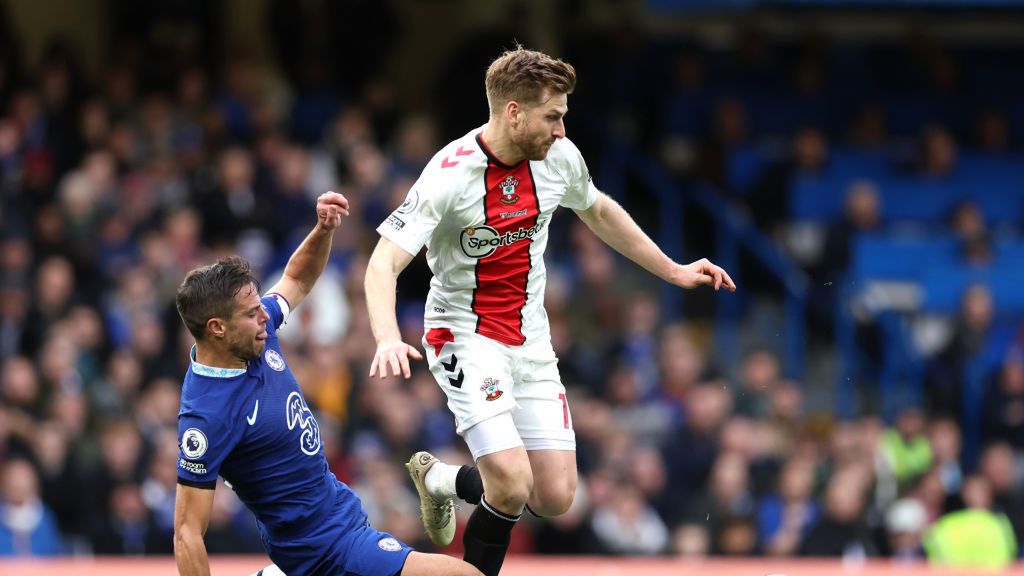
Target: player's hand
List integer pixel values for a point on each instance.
(703, 273)
(394, 354)
(330, 207)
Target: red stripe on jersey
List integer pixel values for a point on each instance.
(510, 206)
(436, 337)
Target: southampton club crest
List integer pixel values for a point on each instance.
(491, 388)
(508, 190)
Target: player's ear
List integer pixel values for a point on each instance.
(513, 111)
(216, 327)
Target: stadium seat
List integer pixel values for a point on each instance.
(853, 164)
(919, 199)
(817, 196)
(944, 287)
(746, 163)
(901, 258)
(995, 183)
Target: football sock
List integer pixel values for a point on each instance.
(468, 484)
(440, 479)
(487, 536)
(532, 513)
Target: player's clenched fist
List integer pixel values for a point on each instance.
(330, 207)
(396, 355)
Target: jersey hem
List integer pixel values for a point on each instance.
(499, 338)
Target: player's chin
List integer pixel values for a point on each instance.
(258, 347)
(539, 154)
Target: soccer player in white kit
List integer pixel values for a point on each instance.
(482, 206)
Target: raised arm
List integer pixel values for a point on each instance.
(386, 263)
(309, 259)
(192, 507)
(616, 228)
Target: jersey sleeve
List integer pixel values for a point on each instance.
(412, 223)
(277, 308)
(203, 445)
(581, 192)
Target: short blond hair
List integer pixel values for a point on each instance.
(522, 75)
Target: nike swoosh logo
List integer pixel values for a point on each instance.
(252, 419)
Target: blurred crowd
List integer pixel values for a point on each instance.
(112, 192)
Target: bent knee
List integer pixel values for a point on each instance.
(507, 484)
(554, 499)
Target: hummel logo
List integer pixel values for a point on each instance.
(252, 419)
(450, 368)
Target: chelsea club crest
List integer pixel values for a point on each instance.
(274, 360)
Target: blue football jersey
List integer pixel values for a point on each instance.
(253, 427)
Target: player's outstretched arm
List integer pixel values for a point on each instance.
(386, 263)
(615, 227)
(309, 259)
(192, 508)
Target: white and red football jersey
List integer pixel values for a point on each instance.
(485, 225)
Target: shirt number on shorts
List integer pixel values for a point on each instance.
(565, 412)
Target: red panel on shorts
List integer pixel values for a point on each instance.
(436, 337)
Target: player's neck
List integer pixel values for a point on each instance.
(500, 144)
(214, 357)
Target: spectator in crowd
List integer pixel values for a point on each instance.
(27, 525)
(1003, 412)
(945, 443)
(841, 531)
(945, 376)
(785, 515)
(760, 375)
(904, 523)
(862, 214)
(972, 535)
(625, 524)
(769, 196)
(938, 154)
(127, 526)
(998, 469)
(905, 449)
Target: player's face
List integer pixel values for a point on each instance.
(542, 125)
(247, 329)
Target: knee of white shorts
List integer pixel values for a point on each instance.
(492, 435)
(271, 570)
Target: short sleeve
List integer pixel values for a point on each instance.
(412, 223)
(203, 445)
(580, 193)
(277, 308)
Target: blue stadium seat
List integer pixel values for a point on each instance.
(1010, 253)
(919, 199)
(785, 113)
(944, 287)
(823, 196)
(817, 196)
(852, 163)
(746, 163)
(995, 183)
(687, 113)
(901, 258)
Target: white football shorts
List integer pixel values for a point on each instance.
(483, 378)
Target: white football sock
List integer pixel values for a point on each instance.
(440, 480)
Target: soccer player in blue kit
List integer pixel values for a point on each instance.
(243, 417)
